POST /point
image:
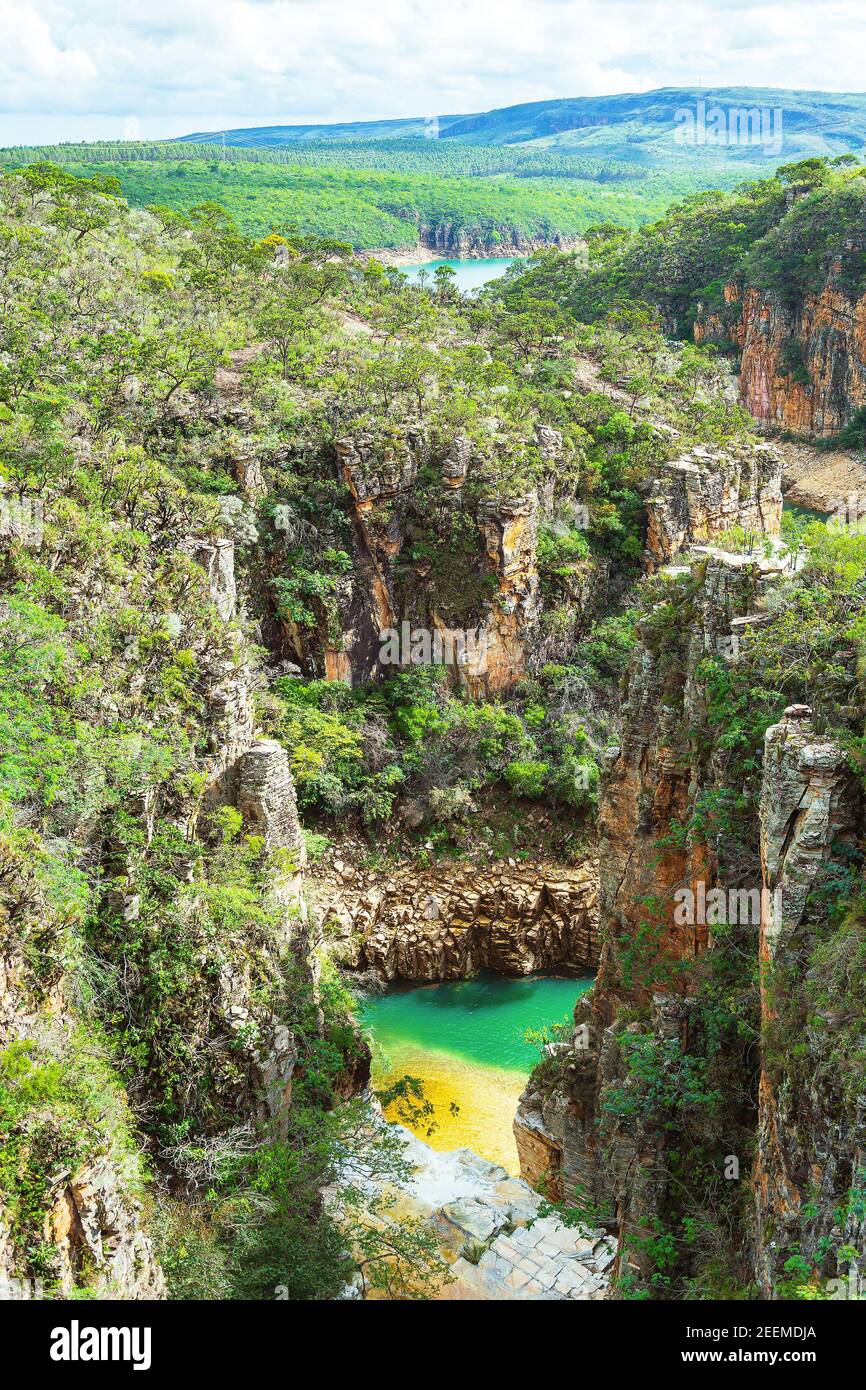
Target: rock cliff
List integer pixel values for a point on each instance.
(483, 584)
(515, 920)
(571, 1133)
(810, 1141)
(803, 364)
(92, 1213)
(467, 243)
(708, 491)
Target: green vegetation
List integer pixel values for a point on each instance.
(780, 233)
(360, 748)
(169, 384)
(700, 1086)
(377, 195)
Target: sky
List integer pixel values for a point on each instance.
(71, 70)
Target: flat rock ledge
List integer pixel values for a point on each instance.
(472, 1203)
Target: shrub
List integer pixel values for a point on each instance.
(528, 779)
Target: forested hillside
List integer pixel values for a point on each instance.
(779, 233)
(504, 181)
(387, 193)
(773, 274)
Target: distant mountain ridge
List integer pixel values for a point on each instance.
(637, 125)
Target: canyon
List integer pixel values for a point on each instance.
(808, 1144)
(236, 805)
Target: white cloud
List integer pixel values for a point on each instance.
(70, 69)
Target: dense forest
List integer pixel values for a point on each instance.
(379, 193)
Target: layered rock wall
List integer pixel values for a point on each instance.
(566, 1136)
(706, 492)
(802, 365)
(514, 920)
(387, 591)
(810, 1143)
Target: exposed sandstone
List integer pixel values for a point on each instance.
(266, 798)
(380, 482)
(810, 1144)
(509, 528)
(707, 491)
(803, 366)
(444, 241)
(565, 1136)
(469, 1202)
(514, 920)
(94, 1221)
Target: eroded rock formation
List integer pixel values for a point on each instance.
(707, 491)
(810, 1143)
(523, 1254)
(806, 1120)
(266, 798)
(803, 365)
(566, 1136)
(427, 926)
(94, 1221)
(387, 590)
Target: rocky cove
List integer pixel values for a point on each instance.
(443, 242)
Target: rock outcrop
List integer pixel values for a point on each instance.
(388, 591)
(493, 1238)
(95, 1222)
(266, 798)
(578, 1126)
(509, 529)
(566, 1135)
(469, 243)
(803, 365)
(708, 491)
(810, 1144)
(707, 608)
(426, 926)
(217, 559)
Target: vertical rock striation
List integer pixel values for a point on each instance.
(803, 363)
(708, 491)
(810, 1143)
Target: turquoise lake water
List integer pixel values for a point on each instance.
(805, 513)
(466, 1041)
(469, 275)
(482, 1020)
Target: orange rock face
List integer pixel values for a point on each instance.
(802, 368)
(808, 1141)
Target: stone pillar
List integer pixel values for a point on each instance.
(266, 797)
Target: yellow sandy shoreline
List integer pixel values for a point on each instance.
(487, 1098)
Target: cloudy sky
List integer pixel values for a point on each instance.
(83, 69)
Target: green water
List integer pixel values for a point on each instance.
(466, 1042)
(482, 1020)
(805, 513)
(468, 275)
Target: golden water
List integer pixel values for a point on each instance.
(466, 1042)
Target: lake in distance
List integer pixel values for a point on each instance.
(469, 275)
